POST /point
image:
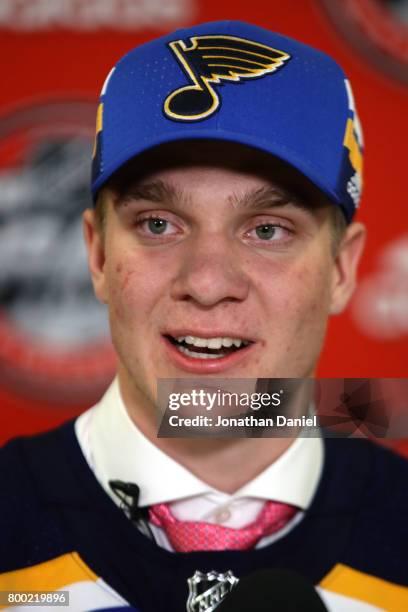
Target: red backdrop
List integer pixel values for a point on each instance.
(66, 57)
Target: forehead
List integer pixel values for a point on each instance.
(181, 161)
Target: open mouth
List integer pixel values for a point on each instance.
(207, 348)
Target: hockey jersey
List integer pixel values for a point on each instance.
(61, 533)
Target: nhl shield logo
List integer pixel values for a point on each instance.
(207, 591)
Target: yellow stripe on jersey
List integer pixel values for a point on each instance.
(48, 576)
(347, 581)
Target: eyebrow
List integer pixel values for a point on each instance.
(258, 199)
(156, 191)
(266, 197)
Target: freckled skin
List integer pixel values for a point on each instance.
(209, 276)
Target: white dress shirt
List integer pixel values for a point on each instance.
(115, 449)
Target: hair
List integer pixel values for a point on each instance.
(338, 226)
(100, 209)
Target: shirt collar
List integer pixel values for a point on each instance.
(117, 450)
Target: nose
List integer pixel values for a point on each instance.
(211, 272)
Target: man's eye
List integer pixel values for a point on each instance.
(269, 231)
(150, 226)
(157, 226)
(265, 232)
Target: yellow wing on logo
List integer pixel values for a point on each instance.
(210, 60)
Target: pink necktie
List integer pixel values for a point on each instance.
(189, 536)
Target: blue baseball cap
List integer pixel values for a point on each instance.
(236, 82)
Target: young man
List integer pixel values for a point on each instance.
(227, 170)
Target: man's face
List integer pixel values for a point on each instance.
(208, 269)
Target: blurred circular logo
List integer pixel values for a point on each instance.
(380, 305)
(54, 336)
(378, 29)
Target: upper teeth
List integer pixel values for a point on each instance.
(212, 343)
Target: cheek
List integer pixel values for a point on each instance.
(136, 285)
(314, 299)
(311, 303)
(311, 288)
(298, 296)
(298, 312)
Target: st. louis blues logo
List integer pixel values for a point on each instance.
(210, 60)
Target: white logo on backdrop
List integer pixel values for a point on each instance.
(44, 278)
(380, 307)
(54, 335)
(31, 15)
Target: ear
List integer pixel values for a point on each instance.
(346, 264)
(96, 254)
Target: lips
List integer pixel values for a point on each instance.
(199, 354)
